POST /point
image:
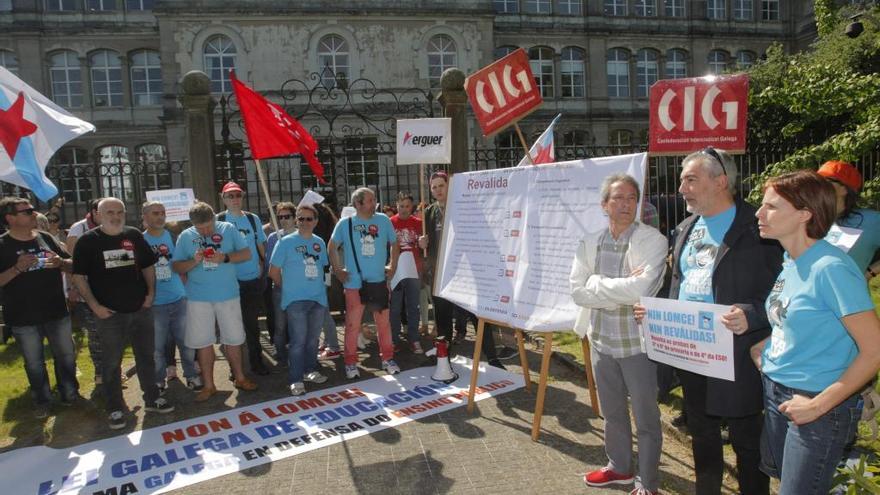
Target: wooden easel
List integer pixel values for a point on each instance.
(542, 380)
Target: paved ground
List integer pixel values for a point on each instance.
(452, 452)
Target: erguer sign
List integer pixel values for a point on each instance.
(424, 141)
(690, 114)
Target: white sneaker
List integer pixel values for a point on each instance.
(362, 342)
(351, 371)
(390, 367)
(315, 377)
(297, 388)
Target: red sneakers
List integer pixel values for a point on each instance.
(606, 476)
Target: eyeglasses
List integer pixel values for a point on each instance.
(233, 196)
(284, 217)
(708, 150)
(53, 220)
(306, 219)
(26, 211)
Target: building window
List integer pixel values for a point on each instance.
(744, 60)
(615, 7)
(106, 79)
(441, 56)
(620, 137)
(333, 60)
(506, 6)
(742, 10)
(74, 172)
(575, 138)
(568, 7)
(571, 68)
(676, 64)
(152, 158)
(9, 61)
(769, 10)
(715, 9)
(503, 51)
(508, 150)
(146, 78)
(618, 73)
(717, 62)
(135, 5)
(674, 8)
(362, 163)
(537, 6)
(645, 8)
(60, 5)
(219, 56)
(541, 61)
(116, 174)
(647, 71)
(66, 77)
(101, 5)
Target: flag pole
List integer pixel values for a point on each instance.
(422, 202)
(522, 140)
(265, 187)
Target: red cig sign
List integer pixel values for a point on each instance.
(503, 92)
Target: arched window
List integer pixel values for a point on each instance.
(116, 173)
(575, 138)
(441, 56)
(620, 137)
(717, 62)
(152, 158)
(106, 79)
(647, 71)
(9, 61)
(146, 78)
(742, 10)
(66, 76)
(645, 8)
(541, 60)
(507, 146)
(219, 59)
(744, 59)
(571, 68)
(503, 51)
(617, 67)
(716, 10)
(333, 60)
(74, 172)
(676, 64)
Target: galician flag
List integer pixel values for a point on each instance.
(32, 128)
(543, 150)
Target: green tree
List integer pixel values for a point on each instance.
(823, 103)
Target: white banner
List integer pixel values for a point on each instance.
(688, 335)
(424, 141)
(176, 455)
(177, 203)
(510, 236)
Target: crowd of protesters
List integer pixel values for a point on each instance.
(806, 338)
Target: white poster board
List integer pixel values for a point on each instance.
(843, 237)
(177, 203)
(689, 336)
(424, 141)
(510, 235)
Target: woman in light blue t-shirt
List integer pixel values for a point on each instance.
(825, 340)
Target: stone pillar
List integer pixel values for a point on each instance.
(455, 106)
(198, 107)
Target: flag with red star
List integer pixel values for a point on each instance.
(271, 132)
(543, 151)
(32, 128)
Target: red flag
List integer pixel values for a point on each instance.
(271, 132)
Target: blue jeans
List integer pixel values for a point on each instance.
(406, 292)
(169, 322)
(280, 329)
(331, 339)
(805, 457)
(30, 339)
(304, 321)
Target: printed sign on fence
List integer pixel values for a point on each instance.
(177, 203)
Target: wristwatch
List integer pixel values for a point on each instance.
(225, 258)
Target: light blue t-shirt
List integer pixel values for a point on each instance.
(169, 287)
(372, 238)
(809, 347)
(697, 259)
(302, 262)
(210, 282)
(250, 269)
(868, 221)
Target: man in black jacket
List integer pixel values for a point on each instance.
(719, 258)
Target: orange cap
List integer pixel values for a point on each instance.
(842, 172)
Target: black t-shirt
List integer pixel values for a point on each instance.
(113, 266)
(37, 295)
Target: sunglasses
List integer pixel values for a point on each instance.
(26, 211)
(306, 219)
(284, 217)
(708, 150)
(53, 220)
(233, 196)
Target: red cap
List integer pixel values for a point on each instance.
(842, 172)
(230, 186)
